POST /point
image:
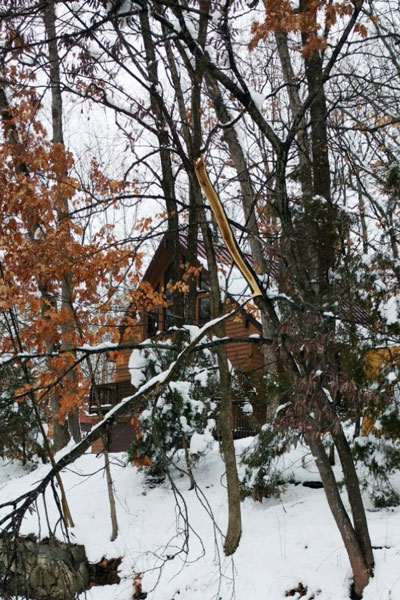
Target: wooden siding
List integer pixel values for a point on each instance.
(119, 438)
(244, 355)
(122, 366)
(97, 446)
(239, 353)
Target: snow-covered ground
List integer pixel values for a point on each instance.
(174, 538)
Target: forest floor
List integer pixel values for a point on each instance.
(171, 540)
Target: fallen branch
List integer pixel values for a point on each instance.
(137, 401)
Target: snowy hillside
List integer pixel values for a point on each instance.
(173, 538)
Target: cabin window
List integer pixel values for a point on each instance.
(204, 310)
(168, 318)
(204, 283)
(153, 317)
(167, 279)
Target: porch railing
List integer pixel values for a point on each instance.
(108, 395)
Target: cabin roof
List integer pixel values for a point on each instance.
(232, 283)
(222, 254)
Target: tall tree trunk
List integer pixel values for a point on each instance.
(322, 223)
(60, 431)
(62, 214)
(234, 529)
(167, 174)
(107, 467)
(225, 420)
(193, 139)
(302, 137)
(193, 224)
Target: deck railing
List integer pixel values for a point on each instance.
(108, 395)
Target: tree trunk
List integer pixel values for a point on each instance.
(191, 234)
(248, 202)
(111, 496)
(234, 530)
(361, 568)
(193, 139)
(167, 173)
(304, 167)
(62, 213)
(354, 495)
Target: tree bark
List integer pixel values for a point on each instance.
(167, 174)
(234, 530)
(361, 568)
(269, 325)
(193, 139)
(191, 234)
(354, 495)
(62, 210)
(303, 143)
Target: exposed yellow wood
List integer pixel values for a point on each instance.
(378, 360)
(224, 227)
(377, 363)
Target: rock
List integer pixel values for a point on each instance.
(43, 570)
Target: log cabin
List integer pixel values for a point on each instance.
(244, 356)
